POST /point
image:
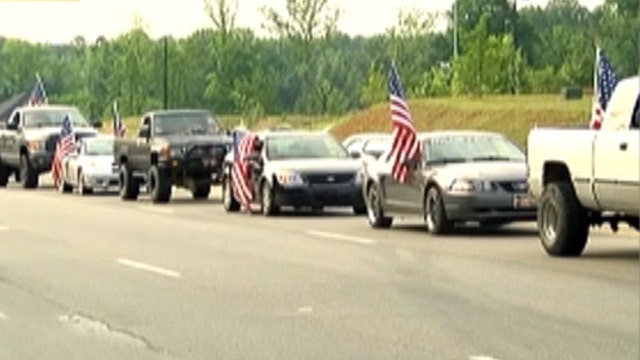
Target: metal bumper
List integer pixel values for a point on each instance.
(210, 168)
(319, 196)
(41, 161)
(489, 207)
(100, 180)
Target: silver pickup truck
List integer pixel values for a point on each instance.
(583, 177)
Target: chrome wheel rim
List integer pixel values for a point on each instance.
(429, 209)
(549, 224)
(226, 194)
(373, 210)
(266, 198)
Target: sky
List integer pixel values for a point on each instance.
(59, 21)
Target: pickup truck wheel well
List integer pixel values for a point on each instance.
(554, 172)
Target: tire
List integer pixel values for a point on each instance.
(129, 185)
(82, 189)
(374, 210)
(563, 224)
(4, 174)
(435, 215)
(64, 187)
(267, 206)
(201, 191)
(28, 176)
(159, 185)
(228, 200)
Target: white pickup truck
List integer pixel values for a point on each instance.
(583, 177)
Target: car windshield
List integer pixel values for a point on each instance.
(281, 147)
(188, 123)
(34, 118)
(462, 148)
(98, 147)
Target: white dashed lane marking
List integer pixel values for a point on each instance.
(150, 268)
(3, 316)
(336, 236)
(481, 357)
(4, 228)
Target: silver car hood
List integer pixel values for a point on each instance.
(484, 170)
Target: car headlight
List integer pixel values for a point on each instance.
(289, 178)
(468, 186)
(36, 145)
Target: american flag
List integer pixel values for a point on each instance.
(65, 146)
(605, 80)
(405, 143)
(38, 94)
(119, 128)
(241, 186)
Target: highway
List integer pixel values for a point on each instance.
(98, 278)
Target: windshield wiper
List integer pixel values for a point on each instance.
(446, 161)
(493, 158)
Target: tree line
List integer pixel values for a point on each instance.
(310, 67)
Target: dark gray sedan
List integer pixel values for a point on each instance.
(462, 176)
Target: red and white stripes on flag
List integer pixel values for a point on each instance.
(241, 186)
(65, 145)
(405, 142)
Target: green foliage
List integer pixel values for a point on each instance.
(311, 68)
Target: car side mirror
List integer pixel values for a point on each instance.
(354, 154)
(97, 124)
(12, 126)
(144, 132)
(412, 164)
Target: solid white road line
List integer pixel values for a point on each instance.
(305, 309)
(355, 239)
(481, 357)
(4, 228)
(156, 209)
(147, 267)
(3, 316)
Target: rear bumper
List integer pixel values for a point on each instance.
(319, 196)
(489, 207)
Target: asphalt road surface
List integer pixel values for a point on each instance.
(99, 278)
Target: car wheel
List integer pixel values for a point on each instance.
(435, 215)
(4, 174)
(201, 191)
(562, 221)
(129, 185)
(266, 200)
(228, 200)
(159, 185)
(28, 176)
(64, 187)
(82, 187)
(375, 213)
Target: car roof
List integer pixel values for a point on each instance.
(448, 133)
(48, 107)
(177, 111)
(368, 135)
(287, 133)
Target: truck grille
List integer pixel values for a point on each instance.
(209, 151)
(328, 178)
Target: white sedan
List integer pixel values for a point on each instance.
(91, 166)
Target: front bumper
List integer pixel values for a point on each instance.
(501, 206)
(41, 161)
(100, 180)
(319, 195)
(196, 168)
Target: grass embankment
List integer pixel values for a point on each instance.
(513, 116)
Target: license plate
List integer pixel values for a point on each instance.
(522, 202)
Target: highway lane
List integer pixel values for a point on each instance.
(186, 280)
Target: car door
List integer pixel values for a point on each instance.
(142, 150)
(395, 200)
(617, 169)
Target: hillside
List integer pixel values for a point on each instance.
(513, 116)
